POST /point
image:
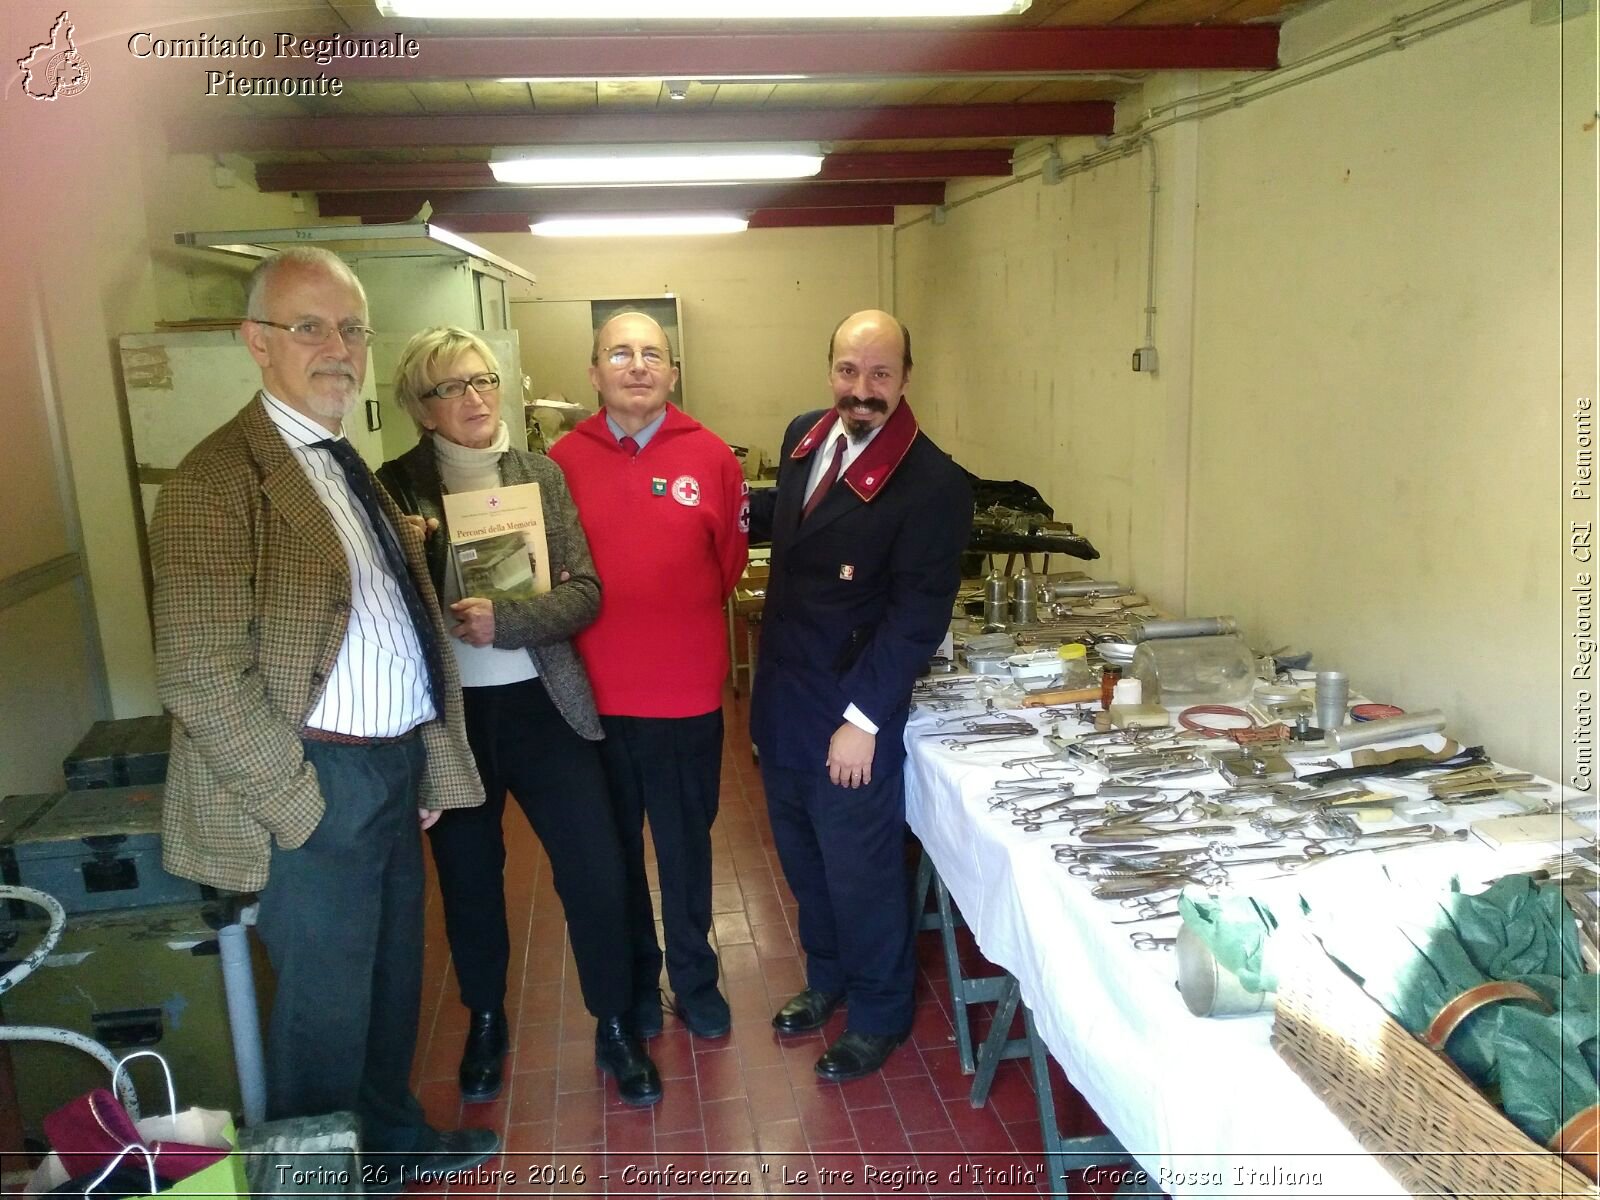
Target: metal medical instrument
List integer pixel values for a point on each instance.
(1143, 939)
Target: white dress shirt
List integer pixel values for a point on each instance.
(820, 458)
(378, 687)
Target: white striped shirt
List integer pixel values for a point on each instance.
(379, 683)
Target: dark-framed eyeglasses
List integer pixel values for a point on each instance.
(653, 357)
(314, 332)
(448, 389)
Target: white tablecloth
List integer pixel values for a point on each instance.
(1201, 1103)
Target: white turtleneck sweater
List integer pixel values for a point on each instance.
(463, 469)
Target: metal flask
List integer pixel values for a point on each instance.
(1024, 602)
(994, 598)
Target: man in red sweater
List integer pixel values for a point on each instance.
(666, 510)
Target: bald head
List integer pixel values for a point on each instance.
(869, 366)
(877, 317)
(631, 369)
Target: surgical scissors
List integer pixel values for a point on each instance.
(1143, 939)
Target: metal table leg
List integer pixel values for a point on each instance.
(963, 991)
(1063, 1153)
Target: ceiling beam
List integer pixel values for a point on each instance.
(761, 218)
(873, 53)
(737, 197)
(898, 123)
(351, 177)
(807, 218)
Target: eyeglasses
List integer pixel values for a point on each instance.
(623, 356)
(313, 332)
(488, 381)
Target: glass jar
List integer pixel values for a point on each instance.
(1178, 672)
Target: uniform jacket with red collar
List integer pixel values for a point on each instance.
(861, 591)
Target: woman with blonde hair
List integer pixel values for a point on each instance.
(530, 718)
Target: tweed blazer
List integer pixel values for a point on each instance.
(544, 625)
(252, 598)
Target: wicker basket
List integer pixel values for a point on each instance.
(1427, 1124)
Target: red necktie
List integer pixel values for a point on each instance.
(828, 477)
(628, 444)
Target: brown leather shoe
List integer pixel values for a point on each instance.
(808, 1010)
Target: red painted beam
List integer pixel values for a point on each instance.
(739, 197)
(762, 218)
(351, 177)
(805, 218)
(880, 53)
(901, 122)
(917, 164)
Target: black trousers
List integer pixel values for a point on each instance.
(669, 769)
(843, 853)
(341, 917)
(521, 742)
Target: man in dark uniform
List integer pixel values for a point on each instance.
(867, 524)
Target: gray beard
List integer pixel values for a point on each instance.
(333, 409)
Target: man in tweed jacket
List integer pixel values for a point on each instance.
(314, 721)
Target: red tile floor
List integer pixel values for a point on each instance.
(748, 1102)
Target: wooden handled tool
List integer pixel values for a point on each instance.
(1068, 696)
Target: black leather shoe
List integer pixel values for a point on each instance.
(618, 1053)
(647, 1015)
(857, 1054)
(452, 1150)
(707, 1017)
(482, 1060)
(807, 1011)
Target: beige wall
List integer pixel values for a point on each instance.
(757, 310)
(1354, 441)
(92, 217)
(1380, 301)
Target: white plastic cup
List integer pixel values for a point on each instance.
(1128, 691)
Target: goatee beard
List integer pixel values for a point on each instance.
(855, 426)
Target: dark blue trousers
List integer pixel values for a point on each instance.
(669, 769)
(341, 917)
(843, 853)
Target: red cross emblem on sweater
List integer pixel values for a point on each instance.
(686, 490)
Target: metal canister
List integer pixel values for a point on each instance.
(994, 598)
(1024, 600)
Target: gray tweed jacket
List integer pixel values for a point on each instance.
(544, 625)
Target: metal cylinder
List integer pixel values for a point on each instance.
(1333, 699)
(1186, 627)
(239, 985)
(1075, 588)
(994, 598)
(1025, 598)
(1348, 737)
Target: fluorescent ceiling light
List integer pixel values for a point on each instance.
(678, 10)
(556, 166)
(639, 226)
(663, 78)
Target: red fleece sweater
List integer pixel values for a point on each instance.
(668, 530)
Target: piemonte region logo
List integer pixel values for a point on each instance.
(53, 69)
